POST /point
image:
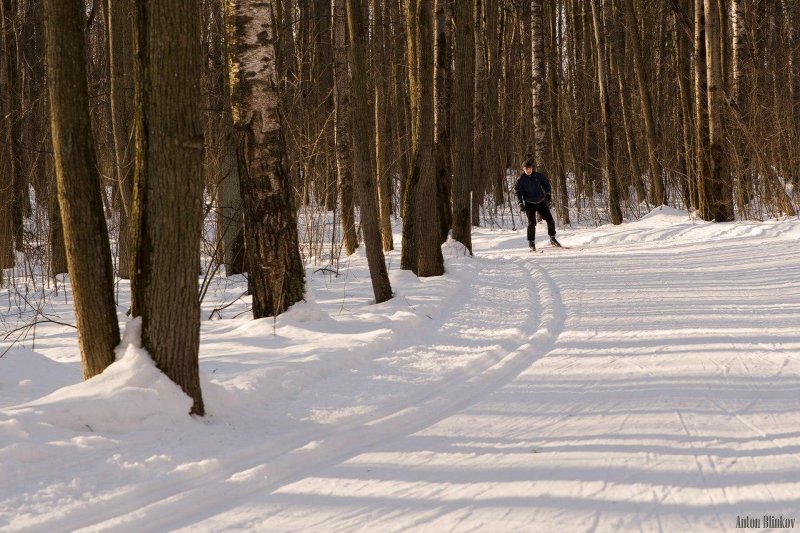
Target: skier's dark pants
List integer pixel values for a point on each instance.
(541, 208)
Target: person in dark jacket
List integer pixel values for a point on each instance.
(534, 193)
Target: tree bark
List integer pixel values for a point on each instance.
(554, 83)
(362, 128)
(12, 87)
(220, 166)
(443, 90)
(463, 118)
(119, 15)
(424, 257)
(541, 153)
(719, 207)
(167, 203)
(342, 130)
(381, 89)
(605, 104)
(86, 235)
(657, 192)
(275, 268)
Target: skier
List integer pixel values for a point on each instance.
(534, 194)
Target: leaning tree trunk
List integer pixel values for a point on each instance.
(463, 120)
(605, 104)
(86, 235)
(167, 204)
(276, 271)
(342, 131)
(362, 128)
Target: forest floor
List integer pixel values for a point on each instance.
(647, 378)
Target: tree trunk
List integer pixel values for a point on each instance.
(220, 166)
(719, 206)
(381, 84)
(657, 193)
(167, 206)
(11, 85)
(554, 83)
(7, 258)
(443, 90)
(463, 118)
(605, 103)
(86, 235)
(541, 153)
(273, 254)
(424, 257)
(362, 128)
(342, 131)
(120, 45)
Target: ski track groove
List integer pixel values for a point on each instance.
(154, 506)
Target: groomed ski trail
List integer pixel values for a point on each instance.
(666, 402)
(524, 333)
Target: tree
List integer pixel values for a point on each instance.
(119, 15)
(443, 90)
(275, 269)
(657, 193)
(220, 164)
(362, 137)
(605, 109)
(422, 251)
(718, 199)
(11, 86)
(167, 201)
(86, 235)
(463, 123)
(342, 129)
(541, 153)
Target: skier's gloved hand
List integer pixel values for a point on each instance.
(522, 206)
(548, 199)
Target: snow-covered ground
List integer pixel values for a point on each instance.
(646, 379)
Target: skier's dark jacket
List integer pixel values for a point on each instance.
(533, 189)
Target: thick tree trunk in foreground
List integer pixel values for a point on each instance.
(276, 271)
(167, 205)
(86, 235)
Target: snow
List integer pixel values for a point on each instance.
(645, 379)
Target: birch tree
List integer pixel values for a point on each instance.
(275, 269)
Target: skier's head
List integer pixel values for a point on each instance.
(527, 166)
